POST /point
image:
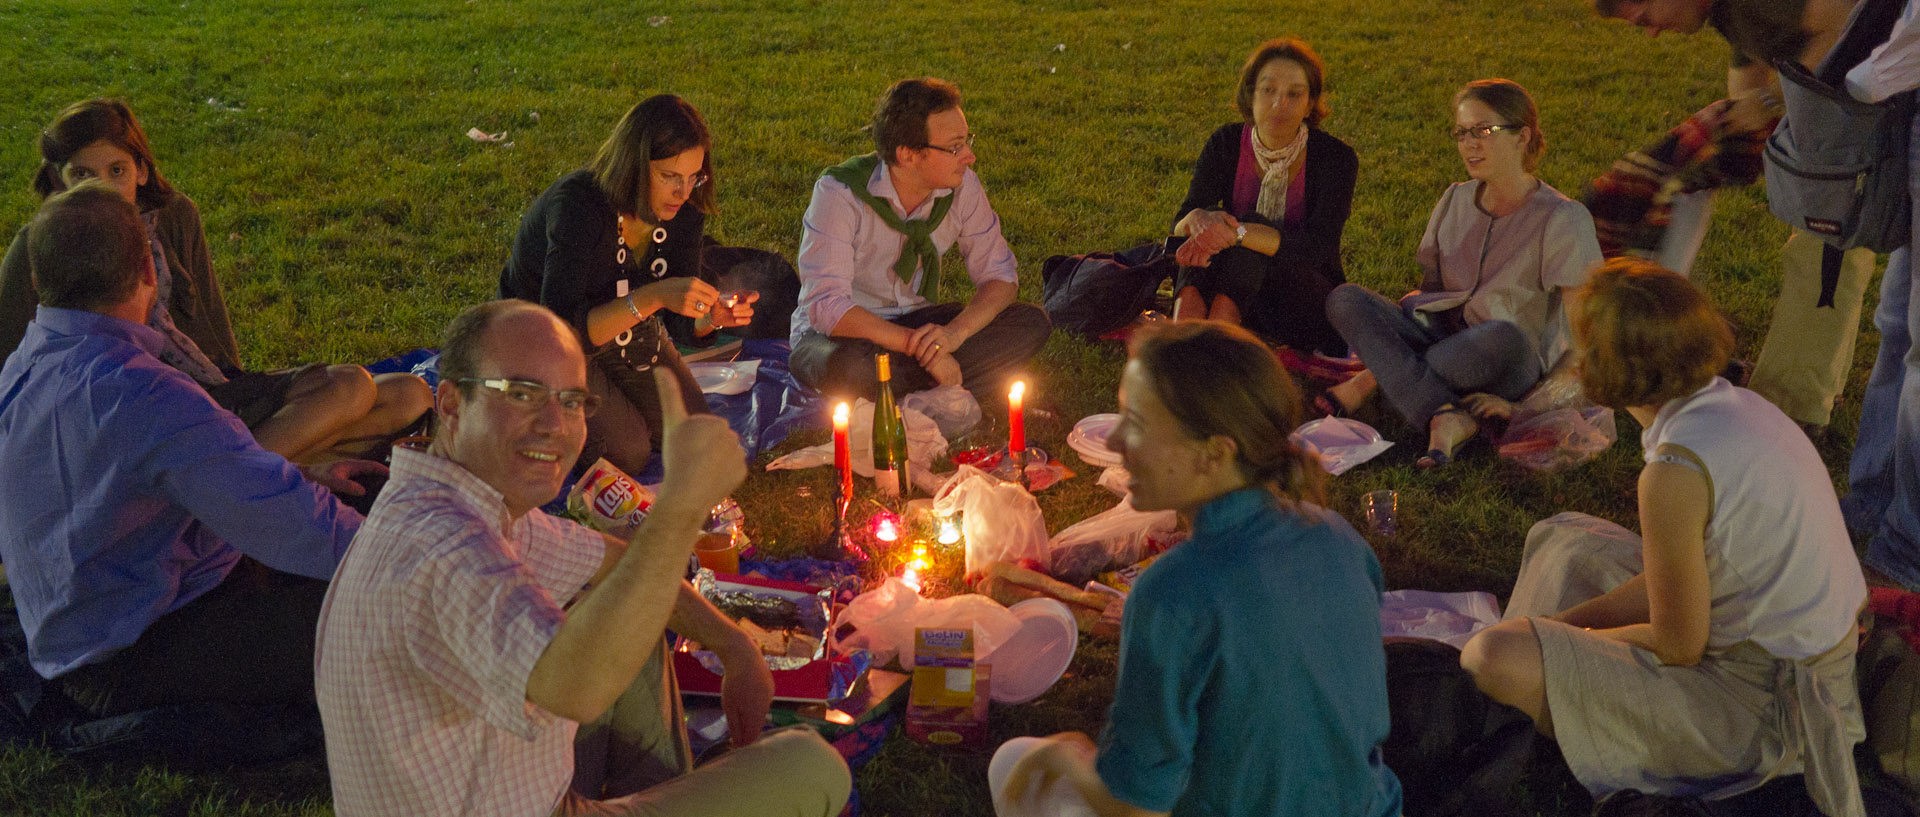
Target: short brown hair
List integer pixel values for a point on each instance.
(1646, 335)
(87, 248)
(1284, 48)
(86, 122)
(1218, 379)
(1514, 106)
(660, 127)
(900, 118)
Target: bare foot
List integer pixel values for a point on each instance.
(1354, 390)
(1450, 428)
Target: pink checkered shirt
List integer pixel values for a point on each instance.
(433, 622)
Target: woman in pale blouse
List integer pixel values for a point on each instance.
(1486, 324)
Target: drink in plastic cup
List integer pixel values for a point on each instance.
(717, 552)
(1383, 511)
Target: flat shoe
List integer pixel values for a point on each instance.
(1434, 458)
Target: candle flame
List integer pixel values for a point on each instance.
(911, 578)
(949, 532)
(840, 414)
(885, 529)
(1019, 390)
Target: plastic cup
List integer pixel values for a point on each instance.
(1382, 510)
(717, 552)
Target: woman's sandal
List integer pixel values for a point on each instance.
(1435, 458)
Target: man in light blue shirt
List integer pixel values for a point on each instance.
(870, 261)
(156, 553)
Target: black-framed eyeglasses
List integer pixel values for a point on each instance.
(1479, 132)
(675, 180)
(529, 396)
(956, 149)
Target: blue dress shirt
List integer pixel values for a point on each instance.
(126, 492)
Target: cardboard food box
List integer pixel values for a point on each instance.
(948, 702)
(805, 678)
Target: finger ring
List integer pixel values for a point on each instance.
(936, 347)
(699, 306)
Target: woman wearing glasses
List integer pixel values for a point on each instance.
(615, 247)
(1263, 214)
(1487, 322)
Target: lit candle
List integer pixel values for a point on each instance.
(842, 453)
(886, 528)
(949, 532)
(1016, 419)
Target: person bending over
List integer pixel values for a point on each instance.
(1715, 650)
(1487, 323)
(157, 554)
(870, 261)
(1266, 693)
(309, 414)
(1263, 214)
(453, 676)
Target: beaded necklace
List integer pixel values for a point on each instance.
(658, 268)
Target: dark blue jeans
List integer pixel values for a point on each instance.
(1421, 370)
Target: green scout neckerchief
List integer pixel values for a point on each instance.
(919, 252)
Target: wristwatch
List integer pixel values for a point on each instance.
(1239, 234)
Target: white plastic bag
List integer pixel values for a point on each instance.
(951, 407)
(882, 620)
(1116, 537)
(1002, 522)
(1559, 438)
(924, 443)
(1449, 617)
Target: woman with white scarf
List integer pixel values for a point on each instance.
(1263, 214)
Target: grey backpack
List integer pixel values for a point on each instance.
(1837, 167)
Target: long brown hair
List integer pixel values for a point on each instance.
(1217, 379)
(660, 127)
(86, 122)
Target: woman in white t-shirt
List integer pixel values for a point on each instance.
(1717, 651)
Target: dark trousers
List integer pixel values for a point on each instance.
(627, 427)
(249, 640)
(843, 367)
(1421, 370)
(1277, 297)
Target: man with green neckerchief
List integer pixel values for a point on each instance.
(870, 261)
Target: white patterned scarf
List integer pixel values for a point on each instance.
(180, 352)
(1276, 172)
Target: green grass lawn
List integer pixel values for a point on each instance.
(350, 216)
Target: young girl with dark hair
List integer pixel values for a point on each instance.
(306, 414)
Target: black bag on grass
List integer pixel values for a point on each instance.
(1099, 292)
(1456, 751)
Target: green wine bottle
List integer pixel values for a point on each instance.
(889, 436)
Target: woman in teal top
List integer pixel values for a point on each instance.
(1252, 679)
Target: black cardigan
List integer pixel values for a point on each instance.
(1332, 168)
(563, 256)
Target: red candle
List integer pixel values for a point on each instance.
(842, 453)
(1016, 418)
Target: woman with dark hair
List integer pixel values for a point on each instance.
(1486, 324)
(306, 414)
(616, 250)
(1252, 679)
(1263, 214)
(1714, 651)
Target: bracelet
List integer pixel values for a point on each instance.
(631, 309)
